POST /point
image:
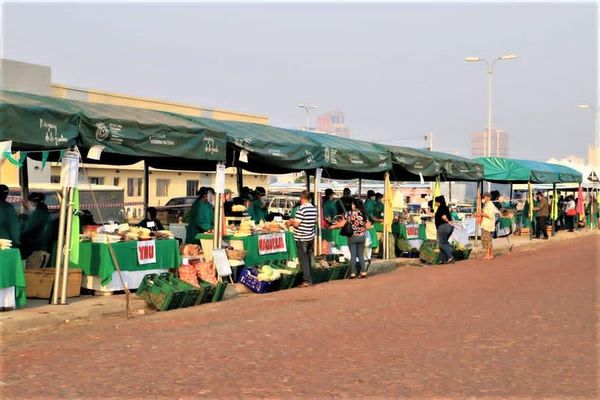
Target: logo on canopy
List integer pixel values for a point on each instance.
(51, 135)
(102, 132)
(210, 147)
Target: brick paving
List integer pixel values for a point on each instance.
(523, 326)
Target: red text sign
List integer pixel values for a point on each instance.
(146, 252)
(272, 243)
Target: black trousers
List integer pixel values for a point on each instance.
(540, 226)
(305, 254)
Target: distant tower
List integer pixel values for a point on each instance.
(333, 123)
(500, 144)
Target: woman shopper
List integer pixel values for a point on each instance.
(357, 217)
(570, 213)
(444, 228)
(488, 225)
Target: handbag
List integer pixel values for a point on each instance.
(571, 212)
(347, 229)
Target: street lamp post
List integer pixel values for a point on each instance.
(490, 71)
(596, 121)
(307, 108)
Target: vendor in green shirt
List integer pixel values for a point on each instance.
(36, 233)
(329, 206)
(202, 215)
(258, 211)
(378, 208)
(370, 205)
(9, 222)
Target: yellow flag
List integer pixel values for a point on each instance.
(388, 211)
(437, 191)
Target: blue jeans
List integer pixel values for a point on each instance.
(444, 232)
(357, 249)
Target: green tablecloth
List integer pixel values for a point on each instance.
(95, 258)
(333, 235)
(400, 230)
(12, 274)
(251, 246)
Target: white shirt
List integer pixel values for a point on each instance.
(488, 222)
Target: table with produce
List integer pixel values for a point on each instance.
(12, 276)
(333, 236)
(138, 251)
(260, 243)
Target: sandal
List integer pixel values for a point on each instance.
(363, 275)
(352, 276)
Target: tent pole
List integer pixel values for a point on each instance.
(146, 187)
(530, 201)
(240, 179)
(60, 242)
(449, 192)
(478, 210)
(67, 247)
(24, 180)
(387, 223)
(318, 204)
(511, 193)
(553, 221)
(307, 176)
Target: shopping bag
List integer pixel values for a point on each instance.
(460, 234)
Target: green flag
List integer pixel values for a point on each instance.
(74, 254)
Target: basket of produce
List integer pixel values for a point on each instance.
(430, 252)
(234, 254)
(262, 281)
(460, 252)
(288, 275)
(157, 292)
(188, 293)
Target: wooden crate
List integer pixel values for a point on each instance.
(39, 282)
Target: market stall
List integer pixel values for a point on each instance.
(99, 260)
(12, 279)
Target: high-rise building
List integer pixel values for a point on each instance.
(499, 142)
(333, 123)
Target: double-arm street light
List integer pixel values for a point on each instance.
(596, 121)
(490, 70)
(307, 108)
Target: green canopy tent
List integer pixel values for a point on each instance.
(264, 148)
(345, 158)
(506, 170)
(412, 164)
(34, 122)
(128, 134)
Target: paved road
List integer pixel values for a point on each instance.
(520, 326)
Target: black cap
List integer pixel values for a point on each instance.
(329, 192)
(379, 195)
(370, 193)
(347, 192)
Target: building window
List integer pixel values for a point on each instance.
(96, 180)
(192, 188)
(55, 179)
(116, 181)
(162, 187)
(134, 187)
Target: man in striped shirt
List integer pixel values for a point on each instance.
(304, 224)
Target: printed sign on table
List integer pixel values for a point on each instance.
(412, 231)
(146, 252)
(271, 243)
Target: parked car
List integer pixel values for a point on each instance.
(282, 205)
(174, 209)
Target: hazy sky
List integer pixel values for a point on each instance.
(396, 70)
